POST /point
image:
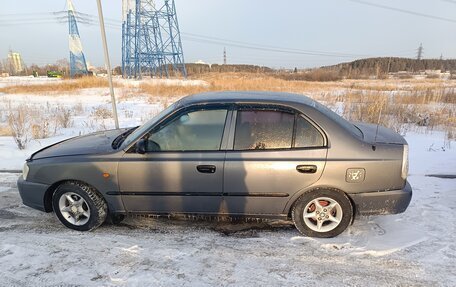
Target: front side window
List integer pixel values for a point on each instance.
(263, 129)
(194, 131)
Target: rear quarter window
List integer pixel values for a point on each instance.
(307, 135)
(263, 129)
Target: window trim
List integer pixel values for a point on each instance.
(178, 112)
(279, 108)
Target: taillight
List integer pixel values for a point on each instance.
(405, 162)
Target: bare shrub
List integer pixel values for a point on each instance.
(20, 122)
(317, 75)
(27, 122)
(101, 113)
(449, 96)
(404, 76)
(45, 121)
(128, 114)
(78, 108)
(432, 76)
(63, 117)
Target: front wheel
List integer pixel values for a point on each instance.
(78, 206)
(322, 213)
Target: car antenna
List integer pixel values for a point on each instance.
(378, 123)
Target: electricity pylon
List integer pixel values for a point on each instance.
(151, 42)
(78, 65)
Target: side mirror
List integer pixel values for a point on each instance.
(141, 146)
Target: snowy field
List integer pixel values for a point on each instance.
(417, 248)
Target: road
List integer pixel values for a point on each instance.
(417, 248)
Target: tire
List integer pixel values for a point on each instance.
(322, 213)
(79, 206)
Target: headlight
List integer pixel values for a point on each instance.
(405, 162)
(25, 171)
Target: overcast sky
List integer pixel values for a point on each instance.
(346, 29)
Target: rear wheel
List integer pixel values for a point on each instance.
(78, 206)
(322, 213)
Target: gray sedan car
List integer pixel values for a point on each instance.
(237, 154)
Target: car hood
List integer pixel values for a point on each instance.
(94, 143)
(383, 135)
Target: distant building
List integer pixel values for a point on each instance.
(15, 63)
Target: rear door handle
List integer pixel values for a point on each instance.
(306, 168)
(206, 168)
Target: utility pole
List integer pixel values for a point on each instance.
(224, 56)
(441, 62)
(420, 52)
(389, 66)
(107, 63)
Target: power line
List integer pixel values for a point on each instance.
(258, 48)
(88, 19)
(209, 38)
(404, 11)
(91, 20)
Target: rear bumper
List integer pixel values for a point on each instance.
(32, 194)
(382, 202)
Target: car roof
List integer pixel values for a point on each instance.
(247, 96)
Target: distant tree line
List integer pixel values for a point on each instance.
(196, 69)
(382, 66)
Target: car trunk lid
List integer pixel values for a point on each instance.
(378, 134)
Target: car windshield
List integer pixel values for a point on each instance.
(145, 127)
(335, 117)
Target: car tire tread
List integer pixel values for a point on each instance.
(98, 206)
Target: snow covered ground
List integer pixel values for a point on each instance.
(417, 248)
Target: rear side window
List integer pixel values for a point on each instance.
(307, 135)
(263, 129)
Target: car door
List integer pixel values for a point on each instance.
(275, 152)
(182, 169)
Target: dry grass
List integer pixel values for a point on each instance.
(235, 81)
(391, 102)
(5, 131)
(231, 82)
(57, 86)
(428, 96)
(399, 112)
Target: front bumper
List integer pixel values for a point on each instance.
(32, 194)
(382, 202)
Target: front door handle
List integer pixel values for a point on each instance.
(306, 168)
(206, 168)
